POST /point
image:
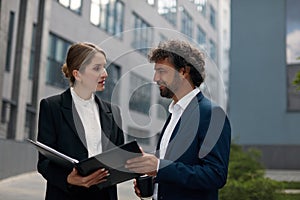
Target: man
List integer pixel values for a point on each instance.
(193, 152)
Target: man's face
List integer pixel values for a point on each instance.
(167, 78)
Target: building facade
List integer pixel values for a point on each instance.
(36, 34)
(264, 105)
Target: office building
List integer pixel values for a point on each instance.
(264, 104)
(35, 36)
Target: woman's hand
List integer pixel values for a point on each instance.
(96, 177)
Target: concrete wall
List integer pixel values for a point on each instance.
(278, 156)
(16, 158)
(258, 82)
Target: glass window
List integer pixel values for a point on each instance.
(9, 40)
(108, 15)
(292, 52)
(187, 24)
(140, 94)
(212, 17)
(143, 35)
(73, 5)
(32, 52)
(58, 48)
(151, 2)
(114, 74)
(212, 50)
(201, 6)
(168, 9)
(118, 15)
(4, 111)
(201, 37)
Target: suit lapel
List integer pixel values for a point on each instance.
(72, 118)
(185, 130)
(106, 123)
(163, 131)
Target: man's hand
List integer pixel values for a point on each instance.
(87, 181)
(146, 164)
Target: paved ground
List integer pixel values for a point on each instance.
(31, 186)
(284, 175)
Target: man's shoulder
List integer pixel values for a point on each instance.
(207, 106)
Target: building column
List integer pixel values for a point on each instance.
(40, 62)
(3, 46)
(16, 125)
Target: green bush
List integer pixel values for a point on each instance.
(246, 179)
(296, 81)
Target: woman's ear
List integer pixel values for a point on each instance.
(76, 74)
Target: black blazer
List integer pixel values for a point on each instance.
(60, 128)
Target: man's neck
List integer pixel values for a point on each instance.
(182, 92)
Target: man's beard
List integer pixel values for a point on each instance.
(166, 92)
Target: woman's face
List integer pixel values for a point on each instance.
(94, 75)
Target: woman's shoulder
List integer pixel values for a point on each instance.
(57, 98)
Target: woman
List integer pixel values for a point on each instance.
(80, 125)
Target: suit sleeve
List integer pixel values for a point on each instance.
(54, 174)
(211, 170)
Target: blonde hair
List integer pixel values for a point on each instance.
(78, 56)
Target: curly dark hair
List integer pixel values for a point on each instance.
(181, 54)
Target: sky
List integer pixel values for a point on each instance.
(293, 31)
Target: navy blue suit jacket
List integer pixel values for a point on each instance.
(196, 162)
(60, 128)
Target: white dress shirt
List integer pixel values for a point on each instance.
(88, 112)
(176, 110)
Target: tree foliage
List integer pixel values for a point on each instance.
(246, 177)
(296, 81)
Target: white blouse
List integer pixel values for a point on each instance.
(88, 112)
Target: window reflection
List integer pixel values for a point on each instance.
(143, 35)
(292, 52)
(74, 5)
(108, 15)
(187, 24)
(293, 31)
(201, 6)
(168, 9)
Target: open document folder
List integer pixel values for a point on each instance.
(113, 160)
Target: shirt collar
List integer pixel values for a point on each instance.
(184, 101)
(80, 100)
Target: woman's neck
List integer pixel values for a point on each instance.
(82, 93)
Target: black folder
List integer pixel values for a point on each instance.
(113, 160)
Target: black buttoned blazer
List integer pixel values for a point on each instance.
(60, 127)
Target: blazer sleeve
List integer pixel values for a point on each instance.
(54, 174)
(211, 170)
